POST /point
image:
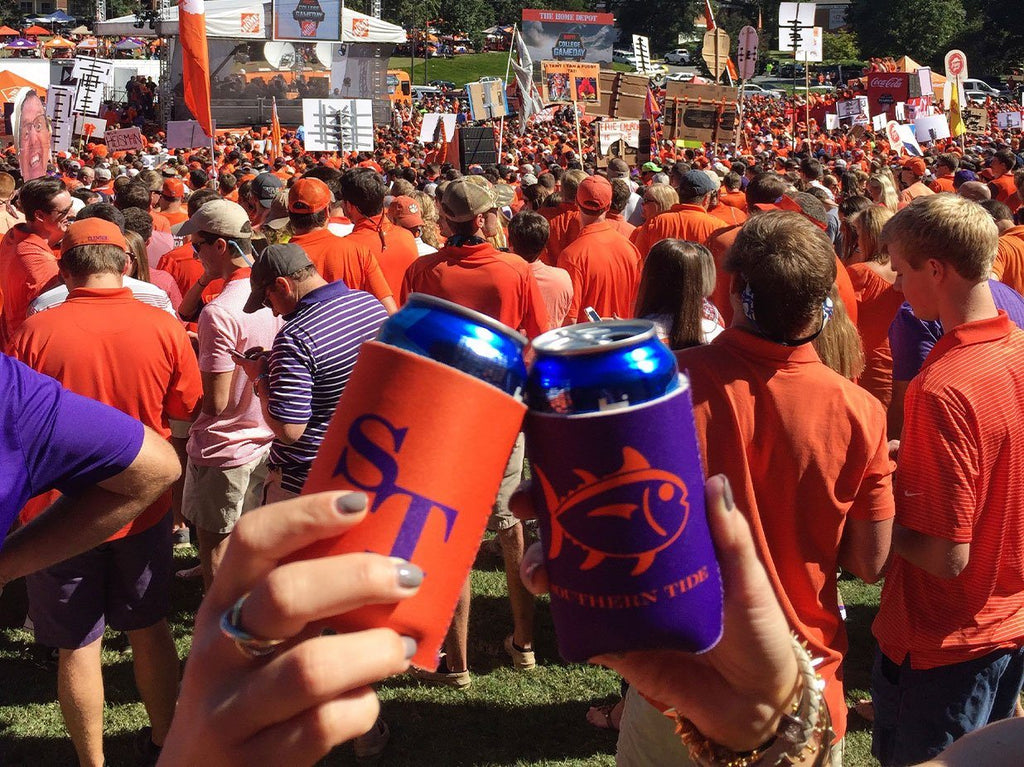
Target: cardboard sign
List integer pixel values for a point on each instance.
(909, 140)
(885, 90)
(716, 51)
(931, 129)
(700, 112)
(612, 131)
(186, 134)
(924, 80)
(642, 53)
(568, 81)
(59, 102)
(90, 127)
(125, 140)
(956, 65)
(338, 125)
(811, 47)
(623, 95)
(892, 133)
(878, 122)
(795, 20)
(849, 108)
(487, 100)
(1008, 120)
(976, 119)
(831, 122)
(429, 127)
(746, 53)
(92, 76)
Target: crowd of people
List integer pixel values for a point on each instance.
(180, 325)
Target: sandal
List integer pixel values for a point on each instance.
(606, 717)
(190, 573)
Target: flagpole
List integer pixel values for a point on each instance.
(579, 138)
(504, 85)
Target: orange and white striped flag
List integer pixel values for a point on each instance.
(274, 146)
(195, 62)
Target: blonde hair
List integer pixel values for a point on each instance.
(887, 196)
(948, 228)
(663, 194)
(430, 232)
(839, 345)
(868, 225)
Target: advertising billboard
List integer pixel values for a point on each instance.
(569, 35)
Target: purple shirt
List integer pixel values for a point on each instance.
(52, 438)
(911, 339)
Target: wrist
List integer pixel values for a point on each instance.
(203, 284)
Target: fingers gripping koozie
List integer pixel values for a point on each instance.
(428, 444)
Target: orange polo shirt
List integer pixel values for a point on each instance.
(682, 222)
(959, 479)
(339, 258)
(564, 227)
(877, 303)
(727, 214)
(27, 267)
(1008, 266)
(1006, 191)
(604, 268)
(105, 345)
(943, 184)
(393, 247)
(735, 199)
(797, 499)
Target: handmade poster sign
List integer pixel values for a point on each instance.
(566, 81)
(186, 134)
(429, 127)
(91, 76)
(125, 140)
(1008, 120)
(699, 112)
(487, 100)
(59, 102)
(338, 125)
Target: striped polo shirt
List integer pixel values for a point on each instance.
(310, 364)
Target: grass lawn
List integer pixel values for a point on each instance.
(505, 718)
(463, 69)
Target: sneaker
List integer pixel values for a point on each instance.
(181, 538)
(522, 659)
(460, 680)
(373, 743)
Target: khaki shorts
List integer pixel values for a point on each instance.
(272, 490)
(501, 517)
(214, 497)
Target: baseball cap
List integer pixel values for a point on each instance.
(528, 179)
(618, 168)
(275, 261)
(405, 212)
(594, 194)
(221, 217)
(174, 188)
(696, 183)
(277, 217)
(309, 195)
(651, 167)
(462, 200)
(93, 231)
(265, 186)
(103, 174)
(915, 165)
(963, 176)
(504, 195)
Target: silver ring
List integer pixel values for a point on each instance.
(249, 645)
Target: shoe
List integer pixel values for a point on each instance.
(373, 743)
(148, 751)
(523, 660)
(460, 680)
(190, 573)
(181, 538)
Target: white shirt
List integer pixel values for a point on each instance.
(145, 292)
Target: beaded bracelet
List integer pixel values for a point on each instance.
(803, 731)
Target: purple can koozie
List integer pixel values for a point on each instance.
(629, 555)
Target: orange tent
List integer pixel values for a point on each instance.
(8, 32)
(35, 29)
(58, 42)
(11, 83)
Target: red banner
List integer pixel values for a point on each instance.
(885, 90)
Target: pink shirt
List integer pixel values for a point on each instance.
(556, 290)
(239, 434)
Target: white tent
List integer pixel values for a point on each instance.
(251, 20)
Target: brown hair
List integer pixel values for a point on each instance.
(868, 225)
(430, 231)
(789, 265)
(677, 277)
(839, 345)
(93, 259)
(138, 256)
(528, 234)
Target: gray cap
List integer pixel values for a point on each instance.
(618, 168)
(275, 261)
(221, 217)
(695, 183)
(265, 187)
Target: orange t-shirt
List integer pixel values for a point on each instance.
(1006, 191)
(182, 265)
(943, 184)
(338, 258)
(1008, 266)
(395, 251)
(622, 226)
(877, 304)
(719, 243)
(564, 228)
(959, 479)
(175, 217)
(797, 498)
(727, 214)
(28, 266)
(160, 221)
(103, 344)
(735, 199)
(682, 222)
(604, 268)
(846, 291)
(482, 278)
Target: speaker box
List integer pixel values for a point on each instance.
(476, 147)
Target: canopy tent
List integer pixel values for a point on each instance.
(21, 44)
(35, 29)
(57, 17)
(11, 83)
(88, 44)
(81, 29)
(8, 32)
(58, 42)
(907, 64)
(128, 44)
(251, 20)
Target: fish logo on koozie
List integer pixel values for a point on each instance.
(635, 512)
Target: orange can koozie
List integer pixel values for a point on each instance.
(428, 444)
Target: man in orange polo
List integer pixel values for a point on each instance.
(912, 173)
(944, 168)
(689, 220)
(950, 626)
(1003, 189)
(172, 195)
(565, 224)
(363, 193)
(335, 258)
(28, 265)
(1008, 266)
(603, 264)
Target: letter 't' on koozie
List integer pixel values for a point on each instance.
(428, 444)
(629, 554)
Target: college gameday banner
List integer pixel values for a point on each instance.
(307, 20)
(569, 35)
(886, 90)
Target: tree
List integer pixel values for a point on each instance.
(661, 20)
(840, 46)
(922, 29)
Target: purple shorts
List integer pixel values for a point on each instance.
(124, 584)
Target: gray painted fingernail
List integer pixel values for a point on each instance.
(730, 503)
(410, 647)
(352, 503)
(409, 575)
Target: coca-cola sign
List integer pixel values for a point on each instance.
(885, 90)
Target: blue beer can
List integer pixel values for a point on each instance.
(597, 366)
(460, 338)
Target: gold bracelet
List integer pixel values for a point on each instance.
(802, 731)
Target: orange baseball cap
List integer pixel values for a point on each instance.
(405, 212)
(309, 195)
(594, 194)
(93, 231)
(173, 188)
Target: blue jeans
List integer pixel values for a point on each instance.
(919, 713)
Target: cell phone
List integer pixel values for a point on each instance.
(592, 314)
(237, 354)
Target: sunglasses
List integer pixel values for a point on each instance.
(62, 214)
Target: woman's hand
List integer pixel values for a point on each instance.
(293, 706)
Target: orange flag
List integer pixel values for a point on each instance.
(274, 145)
(195, 56)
